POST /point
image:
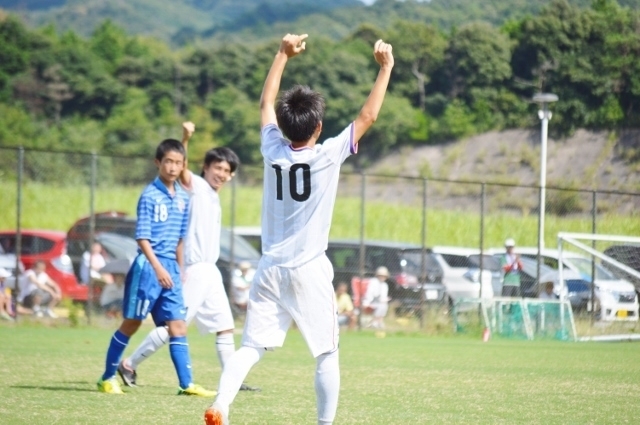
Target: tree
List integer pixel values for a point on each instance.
(478, 56)
(14, 50)
(418, 50)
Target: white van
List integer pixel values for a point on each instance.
(615, 298)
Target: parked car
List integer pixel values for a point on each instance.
(615, 298)
(251, 234)
(51, 247)
(461, 268)
(121, 224)
(629, 255)
(408, 284)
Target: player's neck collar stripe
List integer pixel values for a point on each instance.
(300, 148)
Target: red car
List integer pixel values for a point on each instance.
(51, 247)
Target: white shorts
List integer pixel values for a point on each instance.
(380, 309)
(205, 299)
(304, 294)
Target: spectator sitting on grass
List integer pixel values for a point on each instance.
(5, 297)
(547, 293)
(376, 299)
(346, 313)
(39, 291)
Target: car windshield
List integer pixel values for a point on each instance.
(118, 246)
(488, 262)
(530, 267)
(584, 267)
(242, 249)
(413, 263)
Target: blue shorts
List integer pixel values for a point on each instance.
(143, 293)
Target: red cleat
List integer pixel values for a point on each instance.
(214, 416)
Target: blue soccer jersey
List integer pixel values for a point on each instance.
(162, 218)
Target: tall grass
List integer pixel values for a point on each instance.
(58, 207)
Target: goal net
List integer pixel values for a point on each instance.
(515, 318)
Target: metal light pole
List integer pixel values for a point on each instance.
(543, 99)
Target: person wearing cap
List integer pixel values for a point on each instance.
(376, 299)
(241, 285)
(5, 298)
(511, 267)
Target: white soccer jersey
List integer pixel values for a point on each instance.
(300, 187)
(202, 243)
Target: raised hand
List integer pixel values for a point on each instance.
(382, 52)
(292, 44)
(188, 128)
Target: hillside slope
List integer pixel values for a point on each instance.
(587, 160)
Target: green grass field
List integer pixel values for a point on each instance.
(49, 373)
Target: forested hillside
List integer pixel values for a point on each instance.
(208, 21)
(118, 93)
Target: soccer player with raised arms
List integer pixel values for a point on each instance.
(153, 284)
(294, 277)
(204, 295)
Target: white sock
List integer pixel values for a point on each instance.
(225, 346)
(327, 386)
(156, 339)
(234, 372)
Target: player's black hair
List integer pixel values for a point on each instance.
(221, 154)
(169, 145)
(299, 111)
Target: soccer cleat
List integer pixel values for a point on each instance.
(196, 390)
(50, 313)
(214, 415)
(109, 386)
(127, 374)
(245, 387)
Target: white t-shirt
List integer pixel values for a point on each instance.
(377, 293)
(27, 286)
(202, 243)
(240, 288)
(300, 187)
(91, 265)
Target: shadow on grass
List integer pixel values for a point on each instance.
(55, 388)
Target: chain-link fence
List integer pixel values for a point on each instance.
(440, 240)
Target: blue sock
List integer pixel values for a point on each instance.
(179, 349)
(118, 343)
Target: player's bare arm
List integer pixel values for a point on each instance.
(382, 52)
(290, 46)
(188, 128)
(164, 278)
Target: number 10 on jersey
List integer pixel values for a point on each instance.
(293, 182)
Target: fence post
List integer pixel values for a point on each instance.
(593, 259)
(481, 265)
(91, 302)
(423, 259)
(16, 291)
(363, 187)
